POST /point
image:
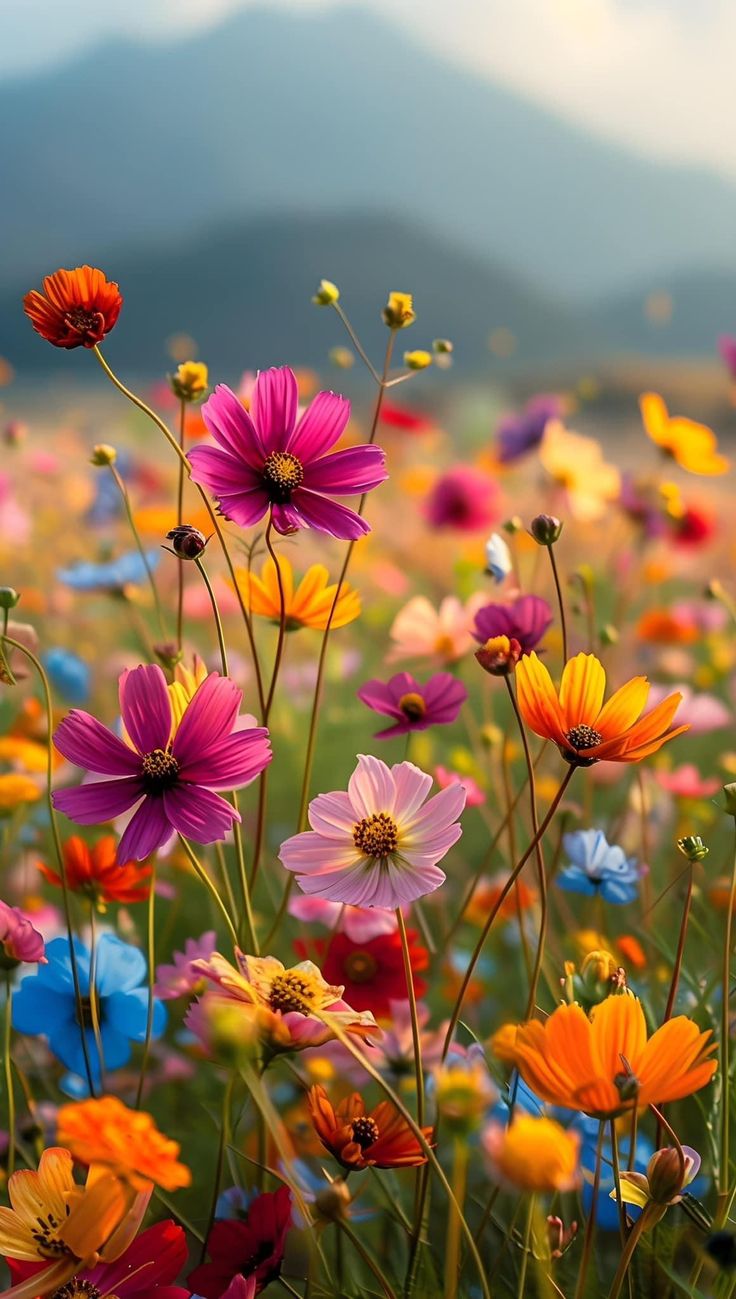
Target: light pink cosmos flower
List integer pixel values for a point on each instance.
(18, 938)
(446, 777)
(686, 782)
(170, 772)
(271, 459)
(360, 924)
(702, 713)
(442, 635)
(377, 845)
(180, 979)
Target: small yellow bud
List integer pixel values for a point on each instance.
(342, 357)
(189, 382)
(327, 294)
(418, 360)
(598, 965)
(103, 454)
(399, 311)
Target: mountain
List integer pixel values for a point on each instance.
(243, 290)
(702, 305)
(325, 112)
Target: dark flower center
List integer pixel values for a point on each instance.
(282, 473)
(292, 991)
(85, 1011)
(160, 771)
(365, 1132)
(413, 706)
(77, 1288)
(581, 738)
(90, 324)
(376, 835)
(360, 967)
(45, 1234)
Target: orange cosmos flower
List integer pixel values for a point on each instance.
(604, 1065)
(357, 1139)
(126, 1142)
(307, 605)
(585, 729)
(75, 308)
(97, 873)
(693, 446)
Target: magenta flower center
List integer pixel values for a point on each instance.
(294, 990)
(360, 967)
(77, 1288)
(376, 835)
(364, 1131)
(282, 474)
(160, 771)
(413, 706)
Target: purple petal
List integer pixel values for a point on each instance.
(87, 743)
(380, 697)
(274, 407)
(209, 717)
(323, 422)
(198, 814)
(99, 801)
(329, 516)
(232, 763)
(244, 508)
(347, 473)
(286, 519)
(145, 707)
(224, 474)
(147, 830)
(230, 424)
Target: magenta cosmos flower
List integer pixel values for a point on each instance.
(526, 620)
(377, 845)
(414, 707)
(19, 941)
(271, 458)
(463, 498)
(170, 771)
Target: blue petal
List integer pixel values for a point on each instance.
(39, 1010)
(119, 966)
(127, 1013)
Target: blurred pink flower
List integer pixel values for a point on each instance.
(445, 634)
(473, 792)
(463, 498)
(181, 979)
(413, 706)
(701, 712)
(687, 782)
(361, 924)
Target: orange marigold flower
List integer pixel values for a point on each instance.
(358, 1139)
(75, 308)
(604, 1064)
(585, 729)
(97, 873)
(127, 1142)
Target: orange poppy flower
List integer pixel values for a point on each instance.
(126, 1142)
(97, 873)
(75, 308)
(357, 1139)
(604, 1065)
(585, 729)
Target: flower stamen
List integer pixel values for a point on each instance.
(365, 1131)
(160, 771)
(376, 835)
(282, 474)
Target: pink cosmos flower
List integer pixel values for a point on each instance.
(687, 782)
(445, 634)
(463, 498)
(413, 706)
(181, 979)
(270, 459)
(377, 845)
(18, 938)
(474, 794)
(702, 713)
(170, 772)
(360, 924)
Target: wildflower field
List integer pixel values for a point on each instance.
(367, 830)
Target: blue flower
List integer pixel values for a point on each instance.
(68, 674)
(127, 570)
(598, 867)
(45, 1004)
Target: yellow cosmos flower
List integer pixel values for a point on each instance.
(307, 606)
(533, 1154)
(693, 446)
(576, 463)
(27, 753)
(183, 688)
(16, 789)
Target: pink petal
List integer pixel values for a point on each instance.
(198, 814)
(322, 424)
(412, 787)
(145, 707)
(436, 814)
(329, 516)
(311, 852)
(232, 763)
(347, 473)
(371, 787)
(208, 719)
(230, 424)
(147, 830)
(87, 743)
(222, 472)
(274, 407)
(286, 519)
(332, 815)
(99, 801)
(244, 508)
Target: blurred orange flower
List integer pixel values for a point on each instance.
(358, 1139)
(309, 605)
(693, 446)
(96, 872)
(127, 1142)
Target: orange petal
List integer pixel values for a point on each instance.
(582, 689)
(623, 708)
(618, 1030)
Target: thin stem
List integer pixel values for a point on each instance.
(282, 624)
(560, 601)
(677, 967)
(216, 615)
(223, 1141)
(723, 1171)
(534, 983)
(357, 343)
(94, 1002)
(151, 979)
(412, 999)
(9, 1074)
(370, 1262)
(180, 520)
(141, 548)
(526, 1249)
(201, 873)
(452, 1243)
(590, 1224)
(617, 1187)
(635, 1235)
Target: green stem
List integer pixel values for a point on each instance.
(151, 980)
(282, 624)
(224, 1138)
(635, 1236)
(94, 1003)
(412, 999)
(452, 1243)
(202, 875)
(617, 1187)
(723, 1171)
(590, 1224)
(534, 982)
(363, 1253)
(141, 548)
(526, 1249)
(560, 601)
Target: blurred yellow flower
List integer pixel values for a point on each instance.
(576, 463)
(189, 381)
(307, 606)
(533, 1154)
(399, 311)
(16, 789)
(693, 446)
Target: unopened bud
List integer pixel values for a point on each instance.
(666, 1174)
(168, 654)
(598, 966)
(399, 311)
(187, 541)
(9, 597)
(103, 454)
(513, 525)
(189, 381)
(333, 1203)
(418, 360)
(327, 294)
(692, 845)
(342, 357)
(499, 655)
(545, 529)
(609, 634)
(443, 347)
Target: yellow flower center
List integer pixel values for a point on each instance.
(78, 1288)
(360, 967)
(444, 645)
(294, 990)
(376, 835)
(160, 771)
(412, 706)
(282, 473)
(365, 1132)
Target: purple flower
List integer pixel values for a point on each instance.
(727, 349)
(525, 620)
(518, 434)
(170, 771)
(180, 979)
(414, 706)
(271, 458)
(18, 939)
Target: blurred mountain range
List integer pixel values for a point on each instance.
(218, 177)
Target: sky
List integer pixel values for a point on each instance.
(653, 75)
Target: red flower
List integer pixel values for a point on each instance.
(253, 1246)
(372, 972)
(145, 1270)
(411, 421)
(359, 1139)
(75, 309)
(97, 872)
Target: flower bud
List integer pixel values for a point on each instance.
(545, 529)
(399, 311)
(342, 357)
(692, 845)
(327, 294)
(464, 1093)
(513, 525)
(333, 1203)
(418, 359)
(168, 654)
(189, 381)
(443, 347)
(608, 635)
(187, 541)
(9, 597)
(598, 966)
(14, 433)
(714, 590)
(666, 1174)
(559, 1237)
(103, 455)
(499, 655)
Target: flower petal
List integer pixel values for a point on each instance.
(208, 719)
(329, 516)
(199, 814)
(273, 407)
(145, 707)
(348, 472)
(81, 739)
(98, 801)
(147, 830)
(322, 424)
